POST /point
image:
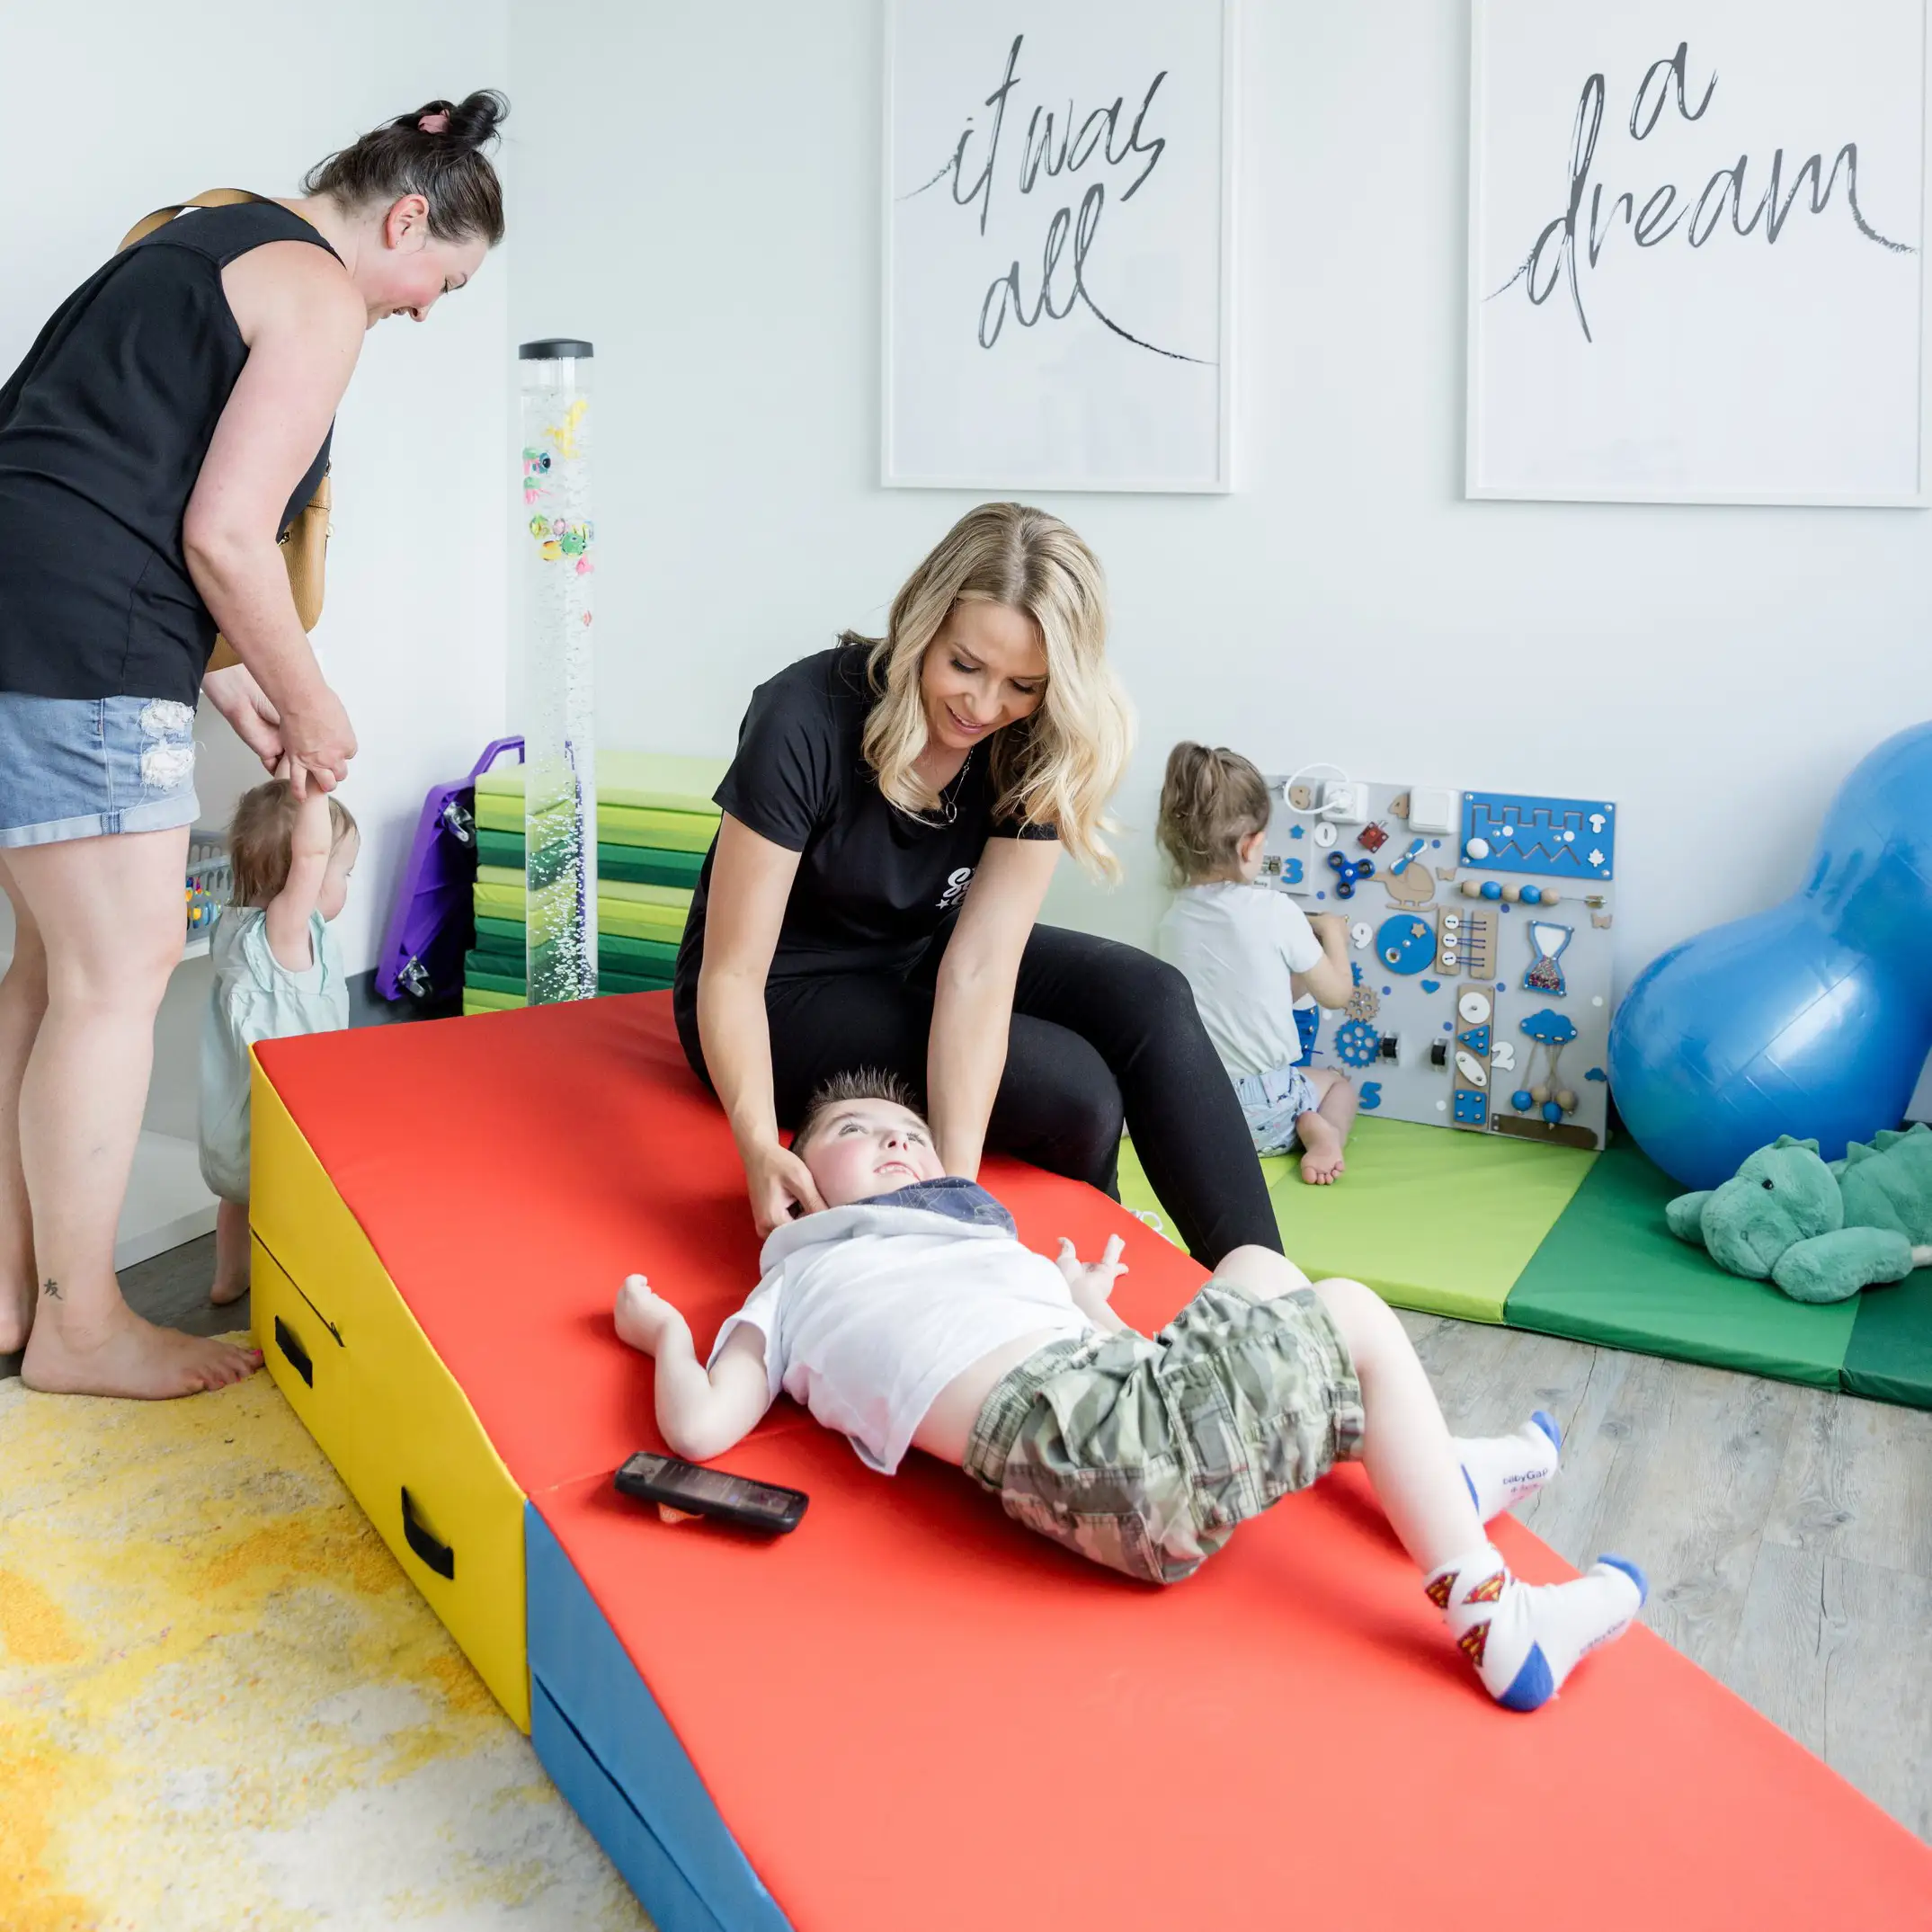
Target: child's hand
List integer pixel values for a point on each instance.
(644, 1318)
(1096, 1278)
(1331, 928)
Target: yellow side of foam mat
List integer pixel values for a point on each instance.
(343, 1347)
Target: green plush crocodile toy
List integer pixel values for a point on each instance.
(1819, 1229)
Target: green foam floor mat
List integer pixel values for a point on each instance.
(1430, 1219)
(1890, 1356)
(617, 824)
(478, 977)
(635, 865)
(633, 912)
(502, 940)
(1611, 1272)
(644, 780)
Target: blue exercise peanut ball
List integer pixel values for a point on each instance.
(1812, 1019)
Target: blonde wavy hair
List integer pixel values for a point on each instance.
(1060, 766)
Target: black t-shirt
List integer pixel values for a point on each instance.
(874, 884)
(104, 430)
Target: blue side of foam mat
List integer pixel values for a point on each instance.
(633, 1848)
(620, 1753)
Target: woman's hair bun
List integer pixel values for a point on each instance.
(474, 121)
(443, 161)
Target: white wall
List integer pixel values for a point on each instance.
(113, 110)
(709, 216)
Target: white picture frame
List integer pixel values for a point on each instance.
(1721, 373)
(1061, 403)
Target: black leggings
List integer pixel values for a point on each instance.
(1101, 1033)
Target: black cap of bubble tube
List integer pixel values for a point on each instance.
(555, 349)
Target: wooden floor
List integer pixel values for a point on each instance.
(1787, 1532)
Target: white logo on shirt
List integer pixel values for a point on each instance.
(956, 888)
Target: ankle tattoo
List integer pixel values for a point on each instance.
(52, 1290)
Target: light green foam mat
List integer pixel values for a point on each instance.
(654, 829)
(637, 912)
(642, 781)
(1429, 1218)
(1612, 1272)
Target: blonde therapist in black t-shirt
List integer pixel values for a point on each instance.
(171, 418)
(891, 821)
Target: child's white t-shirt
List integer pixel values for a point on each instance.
(1237, 944)
(869, 1312)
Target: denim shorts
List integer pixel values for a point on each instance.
(76, 768)
(1144, 1454)
(1271, 1103)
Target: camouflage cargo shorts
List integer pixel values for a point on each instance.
(1144, 1454)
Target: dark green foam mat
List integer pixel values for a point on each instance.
(635, 865)
(1890, 1358)
(502, 940)
(495, 974)
(1610, 1271)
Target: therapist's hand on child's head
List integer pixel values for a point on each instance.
(857, 1149)
(780, 1186)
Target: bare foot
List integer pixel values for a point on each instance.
(643, 1317)
(126, 1356)
(1321, 1159)
(233, 1258)
(16, 1317)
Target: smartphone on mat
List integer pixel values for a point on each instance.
(670, 1480)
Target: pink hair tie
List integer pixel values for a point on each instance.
(437, 123)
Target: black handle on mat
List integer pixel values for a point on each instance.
(437, 1556)
(291, 1347)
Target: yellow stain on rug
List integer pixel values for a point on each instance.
(222, 1704)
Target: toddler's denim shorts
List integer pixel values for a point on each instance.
(1271, 1103)
(76, 768)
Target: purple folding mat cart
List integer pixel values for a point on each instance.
(433, 924)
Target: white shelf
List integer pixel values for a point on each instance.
(166, 1202)
(198, 945)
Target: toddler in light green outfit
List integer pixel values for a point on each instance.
(277, 973)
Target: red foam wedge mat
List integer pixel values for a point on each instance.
(510, 1168)
(913, 1714)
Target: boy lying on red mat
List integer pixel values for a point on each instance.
(908, 1316)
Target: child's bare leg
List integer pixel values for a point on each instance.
(1406, 1445)
(1325, 1132)
(1523, 1640)
(231, 1253)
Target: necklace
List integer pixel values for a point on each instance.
(949, 808)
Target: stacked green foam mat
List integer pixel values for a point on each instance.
(655, 820)
(1486, 1228)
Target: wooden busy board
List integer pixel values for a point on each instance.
(1480, 933)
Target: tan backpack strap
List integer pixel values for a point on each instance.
(214, 198)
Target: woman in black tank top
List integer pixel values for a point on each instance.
(172, 418)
